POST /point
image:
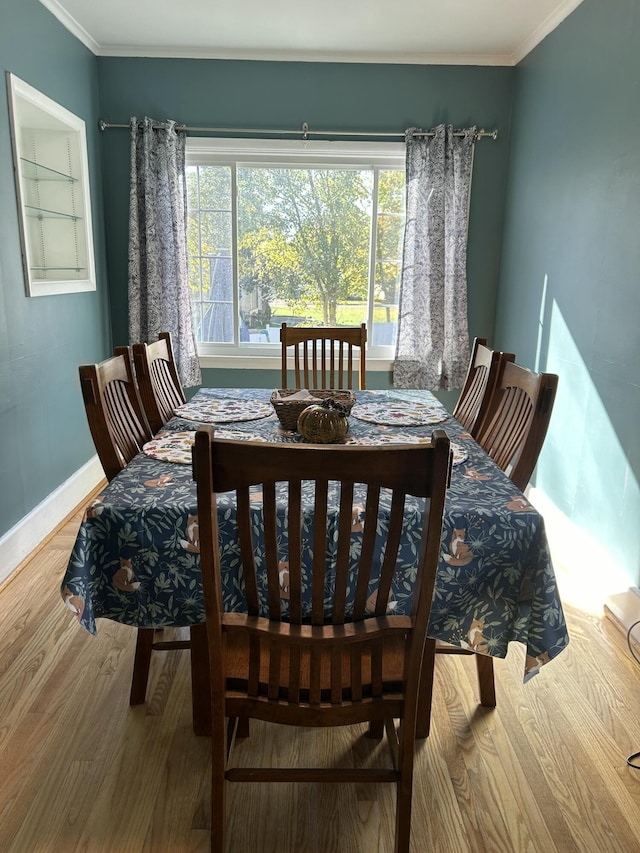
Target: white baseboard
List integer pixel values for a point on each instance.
(28, 533)
(624, 609)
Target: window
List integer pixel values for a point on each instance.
(308, 233)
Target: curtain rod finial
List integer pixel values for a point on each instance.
(102, 124)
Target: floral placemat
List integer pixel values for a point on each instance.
(176, 446)
(224, 411)
(399, 413)
(459, 452)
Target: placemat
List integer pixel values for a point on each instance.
(399, 413)
(176, 446)
(224, 411)
(460, 453)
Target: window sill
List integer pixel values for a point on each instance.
(273, 362)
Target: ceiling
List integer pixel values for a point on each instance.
(459, 32)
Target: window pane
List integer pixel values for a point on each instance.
(303, 247)
(209, 248)
(215, 188)
(390, 234)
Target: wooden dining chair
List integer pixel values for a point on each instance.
(316, 659)
(479, 385)
(324, 357)
(119, 429)
(512, 433)
(517, 419)
(117, 421)
(158, 380)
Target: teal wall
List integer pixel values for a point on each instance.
(569, 294)
(44, 438)
(343, 96)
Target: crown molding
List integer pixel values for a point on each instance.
(171, 52)
(72, 25)
(547, 26)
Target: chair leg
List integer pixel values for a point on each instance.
(404, 787)
(141, 664)
(218, 767)
(403, 820)
(243, 728)
(486, 681)
(425, 694)
(376, 729)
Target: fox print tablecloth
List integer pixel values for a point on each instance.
(136, 557)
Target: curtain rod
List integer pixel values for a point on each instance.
(305, 131)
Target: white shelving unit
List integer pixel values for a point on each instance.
(52, 185)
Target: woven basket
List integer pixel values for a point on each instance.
(289, 410)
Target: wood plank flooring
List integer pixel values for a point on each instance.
(82, 771)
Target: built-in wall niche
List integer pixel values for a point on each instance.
(52, 186)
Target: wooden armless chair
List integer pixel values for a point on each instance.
(516, 423)
(324, 357)
(327, 666)
(119, 429)
(512, 433)
(479, 385)
(158, 381)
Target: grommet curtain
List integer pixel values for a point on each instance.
(158, 274)
(432, 349)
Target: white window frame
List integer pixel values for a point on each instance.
(207, 151)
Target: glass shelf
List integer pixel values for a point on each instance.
(42, 213)
(58, 269)
(37, 172)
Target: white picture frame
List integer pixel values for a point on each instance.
(52, 189)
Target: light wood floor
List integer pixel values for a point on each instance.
(81, 771)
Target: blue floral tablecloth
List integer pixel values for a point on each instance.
(136, 557)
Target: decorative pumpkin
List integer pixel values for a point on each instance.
(323, 423)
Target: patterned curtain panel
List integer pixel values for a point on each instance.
(158, 281)
(432, 348)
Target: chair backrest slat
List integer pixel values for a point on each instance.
(366, 554)
(343, 553)
(246, 551)
(114, 411)
(319, 551)
(324, 357)
(294, 523)
(517, 420)
(271, 548)
(391, 552)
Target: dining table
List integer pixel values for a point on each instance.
(136, 556)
